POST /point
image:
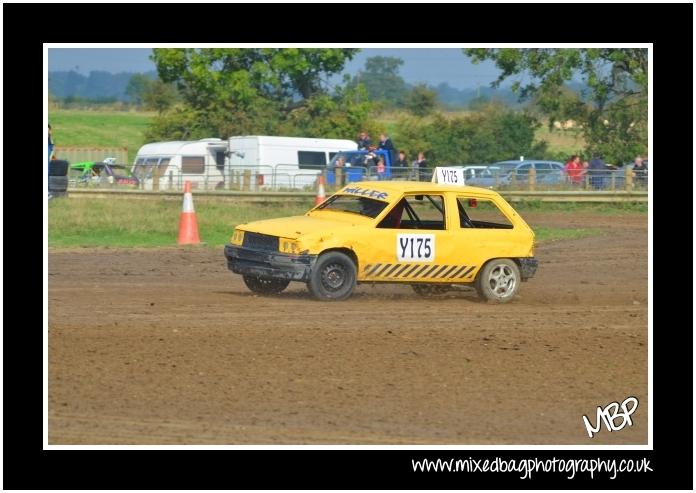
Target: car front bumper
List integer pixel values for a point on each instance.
(528, 267)
(269, 265)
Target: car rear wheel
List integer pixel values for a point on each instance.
(265, 286)
(333, 277)
(428, 290)
(498, 281)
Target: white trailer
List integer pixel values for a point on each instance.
(283, 162)
(202, 162)
(243, 162)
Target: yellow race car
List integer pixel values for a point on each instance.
(433, 237)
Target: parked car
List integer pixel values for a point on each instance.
(547, 172)
(481, 176)
(433, 237)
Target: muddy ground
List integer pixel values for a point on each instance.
(165, 346)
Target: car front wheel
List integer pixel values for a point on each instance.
(333, 277)
(498, 281)
(265, 286)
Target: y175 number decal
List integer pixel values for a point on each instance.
(415, 248)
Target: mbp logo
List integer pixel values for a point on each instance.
(609, 415)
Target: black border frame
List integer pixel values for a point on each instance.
(27, 26)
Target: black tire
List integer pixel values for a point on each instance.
(265, 286)
(58, 167)
(333, 277)
(429, 290)
(57, 184)
(489, 284)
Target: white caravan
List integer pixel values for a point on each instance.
(245, 162)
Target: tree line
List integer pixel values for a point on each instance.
(219, 92)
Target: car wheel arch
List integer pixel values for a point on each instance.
(346, 251)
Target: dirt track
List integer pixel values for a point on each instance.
(160, 346)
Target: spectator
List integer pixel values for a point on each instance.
(50, 153)
(386, 144)
(422, 165)
(402, 164)
(339, 164)
(574, 170)
(640, 171)
(596, 171)
(364, 141)
(381, 169)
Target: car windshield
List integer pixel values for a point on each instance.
(354, 204)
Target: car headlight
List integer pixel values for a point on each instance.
(237, 237)
(286, 245)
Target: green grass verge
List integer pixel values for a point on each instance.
(148, 223)
(544, 235)
(100, 128)
(610, 208)
(154, 223)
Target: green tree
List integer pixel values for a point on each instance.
(262, 90)
(137, 87)
(382, 80)
(421, 101)
(492, 134)
(159, 96)
(613, 114)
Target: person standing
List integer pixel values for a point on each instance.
(364, 141)
(640, 171)
(50, 153)
(574, 170)
(422, 166)
(596, 171)
(380, 169)
(402, 164)
(386, 144)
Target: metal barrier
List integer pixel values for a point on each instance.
(290, 177)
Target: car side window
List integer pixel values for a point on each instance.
(416, 212)
(542, 168)
(524, 169)
(481, 214)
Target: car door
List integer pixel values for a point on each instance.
(481, 231)
(410, 242)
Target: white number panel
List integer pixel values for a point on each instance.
(415, 247)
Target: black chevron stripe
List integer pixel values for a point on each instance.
(420, 271)
(459, 271)
(398, 273)
(447, 274)
(431, 270)
(468, 271)
(392, 270)
(381, 271)
(373, 269)
(437, 273)
(415, 267)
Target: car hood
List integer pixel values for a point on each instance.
(296, 226)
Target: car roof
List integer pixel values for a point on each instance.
(416, 186)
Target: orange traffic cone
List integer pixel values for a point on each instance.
(188, 226)
(321, 195)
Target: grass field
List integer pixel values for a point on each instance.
(568, 142)
(154, 223)
(126, 128)
(100, 128)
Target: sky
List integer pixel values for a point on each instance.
(430, 65)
